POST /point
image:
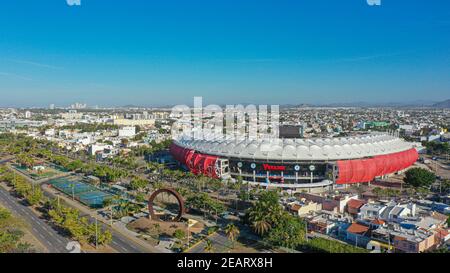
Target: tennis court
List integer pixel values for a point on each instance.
(35, 175)
(94, 198)
(81, 191)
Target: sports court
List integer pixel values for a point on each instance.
(81, 191)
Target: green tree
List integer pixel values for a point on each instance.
(138, 183)
(140, 197)
(179, 234)
(331, 246)
(208, 246)
(265, 213)
(11, 234)
(418, 177)
(232, 232)
(26, 160)
(289, 232)
(105, 237)
(445, 185)
(437, 148)
(74, 165)
(35, 196)
(259, 222)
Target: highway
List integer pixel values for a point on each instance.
(119, 242)
(54, 242)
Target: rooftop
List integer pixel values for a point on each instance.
(357, 228)
(355, 203)
(298, 149)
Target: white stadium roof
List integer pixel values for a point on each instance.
(299, 149)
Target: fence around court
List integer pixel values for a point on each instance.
(81, 191)
(35, 176)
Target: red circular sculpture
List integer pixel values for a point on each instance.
(170, 191)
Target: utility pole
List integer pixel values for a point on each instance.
(188, 241)
(248, 190)
(96, 233)
(440, 180)
(389, 242)
(111, 223)
(306, 231)
(217, 216)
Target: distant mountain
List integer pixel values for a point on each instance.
(287, 106)
(131, 106)
(442, 104)
(417, 103)
(363, 104)
(349, 104)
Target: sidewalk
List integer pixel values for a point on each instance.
(117, 228)
(124, 229)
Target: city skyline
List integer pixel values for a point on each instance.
(159, 54)
(252, 130)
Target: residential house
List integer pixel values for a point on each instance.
(358, 234)
(301, 208)
(353, 206)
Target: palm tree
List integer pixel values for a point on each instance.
(261, 226)
(109, 204)
(158, 185)
(260, 217)
(232, 232)
(208, 246)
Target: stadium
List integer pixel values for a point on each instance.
(311, 163)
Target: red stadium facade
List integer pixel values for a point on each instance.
(196, 162)
(287, 172)
(365, 170)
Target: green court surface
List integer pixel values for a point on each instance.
(81, 191)
(47, 173)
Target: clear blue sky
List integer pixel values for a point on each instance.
(117, 52)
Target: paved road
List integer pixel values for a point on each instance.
(4, 160)
(119, 242)
(219, 241)
(54, 242)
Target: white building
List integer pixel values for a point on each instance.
(128, 131)
(134, 122)
(371, 211)
(72, 114)
(85, 140)
(50, 132)
(93, 149)
(391, 212)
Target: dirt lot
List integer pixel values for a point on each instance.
(156, 228)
